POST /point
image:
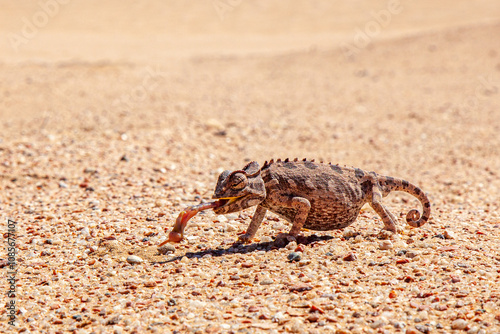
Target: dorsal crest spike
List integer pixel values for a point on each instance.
(279, 160)
(296, 159)
(312, 160)
(305, 159)
(287, 160)
(271, 161)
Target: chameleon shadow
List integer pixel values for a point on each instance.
(238, 248)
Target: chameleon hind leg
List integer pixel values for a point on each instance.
(302, 207)
(389, 220)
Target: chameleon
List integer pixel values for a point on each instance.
(310, 195)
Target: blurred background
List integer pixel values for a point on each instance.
(154, 31)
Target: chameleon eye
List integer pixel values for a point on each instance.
(238, 182)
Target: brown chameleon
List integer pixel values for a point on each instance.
(315, 196)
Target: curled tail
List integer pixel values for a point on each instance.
(414, 218)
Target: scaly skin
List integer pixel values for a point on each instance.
(312, 195)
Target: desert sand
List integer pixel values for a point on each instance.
(116, 115)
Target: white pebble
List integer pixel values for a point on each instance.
(230, 228)
(134, 259)
(221, 219)
(278, 226)
(348, 233)
(197, 303)
(386, 245)
(459, 324)
(449, 235)
(266, 238)
(412, 253)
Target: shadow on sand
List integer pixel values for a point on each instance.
(238, 248)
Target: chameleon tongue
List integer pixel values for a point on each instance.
(177, 233)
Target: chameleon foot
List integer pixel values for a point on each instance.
(244, 239)
(386, 234)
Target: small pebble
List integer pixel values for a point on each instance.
(304, 262)
(278, 226)
(266, 281)
(343, 331)
(313, 317)
(299, 287)
(230, 228)
(348, 233)
(398, 325)
(266, 238)
(386, 245)
(160, 203)
(294, 256)
(296, 325)
(377, 324)
(412, 253)
(350, 257)
(358, 239)
(459, 324)
(423, 329)
(221, 219)
(449, 235)
(165, 249)
(134, 259)
(412, 330)
(85, 231)
(473, 330)
(232, 216)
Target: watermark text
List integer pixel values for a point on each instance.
(10, 305)
(31, 26)
(363, 36)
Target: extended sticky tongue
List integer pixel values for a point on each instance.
(177, 233)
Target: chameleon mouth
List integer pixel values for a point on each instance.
(225, 201)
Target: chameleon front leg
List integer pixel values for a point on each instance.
(257, 218)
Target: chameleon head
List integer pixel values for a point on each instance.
(240, 189)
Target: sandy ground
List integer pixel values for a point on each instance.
(116, 115)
